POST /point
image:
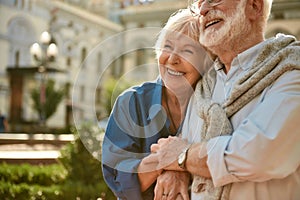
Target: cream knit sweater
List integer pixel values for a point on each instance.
(279, 55)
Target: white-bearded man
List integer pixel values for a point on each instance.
(241, 136)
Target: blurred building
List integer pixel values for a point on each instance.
(96, 39)
(285, 18)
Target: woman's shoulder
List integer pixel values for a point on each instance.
(145, 89)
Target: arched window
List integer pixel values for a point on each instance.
(22, 35)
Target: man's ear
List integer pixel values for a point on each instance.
(254, 9)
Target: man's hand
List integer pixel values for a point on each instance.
(166, 152)
(165, 156)
(172, 185)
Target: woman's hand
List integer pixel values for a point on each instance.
(172, 185)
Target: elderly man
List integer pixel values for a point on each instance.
(242, 127)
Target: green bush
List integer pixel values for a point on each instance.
(78, 161)
(83, 167)
(32, 174)
(77, 176)
(25, 191)
(77, 190)
(31, 181)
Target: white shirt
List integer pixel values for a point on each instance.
(262, 157)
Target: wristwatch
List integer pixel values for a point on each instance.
(182, 157)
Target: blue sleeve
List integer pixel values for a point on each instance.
(124, 185)
(136, 122)
(121, 153)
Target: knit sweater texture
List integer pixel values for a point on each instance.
(278, 55)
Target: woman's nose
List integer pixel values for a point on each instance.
(174, 58)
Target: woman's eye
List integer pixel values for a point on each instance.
(167, 46)
(188, 51)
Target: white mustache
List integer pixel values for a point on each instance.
(212, 14)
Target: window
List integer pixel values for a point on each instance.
(83, 56)
(98, 96)
(17, 59)
(140, 56)
(69, 61)
(82, 93)
(99, 62)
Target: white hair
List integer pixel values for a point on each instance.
(179, 22)
(266, 12)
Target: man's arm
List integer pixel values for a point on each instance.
(265, 145)
(166, 153)
(196, 162)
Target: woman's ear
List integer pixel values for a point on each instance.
(254, 9)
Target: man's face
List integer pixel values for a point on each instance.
(223, 24)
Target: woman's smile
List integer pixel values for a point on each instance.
(174, 73)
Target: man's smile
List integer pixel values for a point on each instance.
(211, 23)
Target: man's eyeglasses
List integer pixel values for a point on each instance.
(194, 5)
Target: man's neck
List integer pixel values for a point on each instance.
(227, 53)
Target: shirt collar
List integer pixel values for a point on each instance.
(246, 59)
(218, 65)
(243, 60)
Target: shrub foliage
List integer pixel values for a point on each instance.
(77, 176)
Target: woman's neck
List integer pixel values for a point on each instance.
(175, 106)
(178, 99)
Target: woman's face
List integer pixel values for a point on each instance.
(179, 62)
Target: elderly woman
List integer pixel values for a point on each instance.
(143, 114)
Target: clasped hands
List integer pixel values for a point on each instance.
(165, 153)
(164, 159)
(170, 184)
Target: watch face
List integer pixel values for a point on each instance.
(181, 158)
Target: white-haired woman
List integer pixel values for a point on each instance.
(143, 114)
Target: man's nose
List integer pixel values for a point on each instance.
(204, 7)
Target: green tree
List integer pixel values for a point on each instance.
(52, 99)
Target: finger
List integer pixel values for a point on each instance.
(164, 197)
(158, 192)
(162, 141)
(184, 195)
(179, 197)
(172, 196)
(169, 186)
(154, 148)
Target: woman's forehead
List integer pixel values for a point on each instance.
(181, 38)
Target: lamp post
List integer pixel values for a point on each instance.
(44, 52)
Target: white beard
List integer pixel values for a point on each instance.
(233, 28)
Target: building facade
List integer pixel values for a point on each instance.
(96, 39)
